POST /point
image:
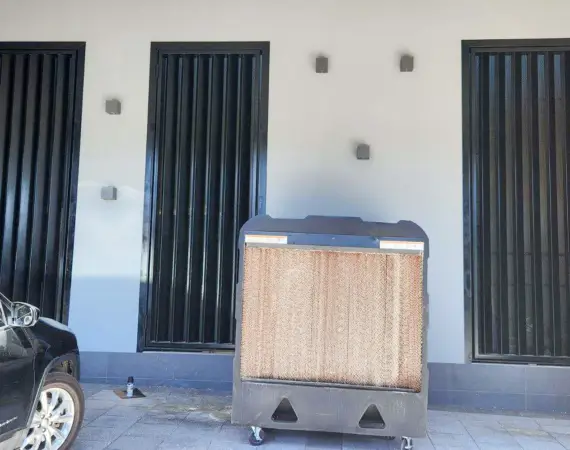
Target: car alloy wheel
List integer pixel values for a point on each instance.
(52, 422)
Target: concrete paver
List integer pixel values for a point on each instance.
(186, 419)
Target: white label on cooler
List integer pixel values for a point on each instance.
(402, 245)
(265, 239)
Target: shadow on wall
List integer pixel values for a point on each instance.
(104, 313)
(108, 234)
(106, 269)
(336, 195)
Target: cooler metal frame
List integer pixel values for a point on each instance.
(330, 407)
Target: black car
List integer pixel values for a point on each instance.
(41, 401)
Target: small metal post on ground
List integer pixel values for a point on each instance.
(130, 392)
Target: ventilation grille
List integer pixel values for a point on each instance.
(344, 317)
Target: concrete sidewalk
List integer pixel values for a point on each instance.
(173, 418)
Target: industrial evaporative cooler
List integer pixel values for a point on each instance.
(331, 328)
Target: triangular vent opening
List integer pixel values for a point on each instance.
(284, 412)
(372, 418)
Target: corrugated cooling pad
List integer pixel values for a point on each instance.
(321, 315)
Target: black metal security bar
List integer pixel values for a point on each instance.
(205, 178)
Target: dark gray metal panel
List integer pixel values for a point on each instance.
(197, 370)
(320, 407)
(40, 110)
(335, 410)
(205, 178)
(518, 194)
(478, 401)
(495, 378)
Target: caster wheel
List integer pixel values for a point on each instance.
(407, 444)
(256, 437)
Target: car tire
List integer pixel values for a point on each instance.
(63, 381)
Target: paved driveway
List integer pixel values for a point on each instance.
(171, 418)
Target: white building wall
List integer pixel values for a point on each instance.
(412, 122)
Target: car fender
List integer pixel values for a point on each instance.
(72, 357)
(18, 436)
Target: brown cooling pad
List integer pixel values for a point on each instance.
(332, 316)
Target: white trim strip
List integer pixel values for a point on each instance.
(265, 239)
(402, 245)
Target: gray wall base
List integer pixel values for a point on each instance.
(488, 387)
(507, 387)
(190, 370)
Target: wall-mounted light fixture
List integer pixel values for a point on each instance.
(322, 64)
(109, 193)
(113, 107)
(363, 151)
(406, 63)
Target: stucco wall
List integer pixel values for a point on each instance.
(412, 121)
